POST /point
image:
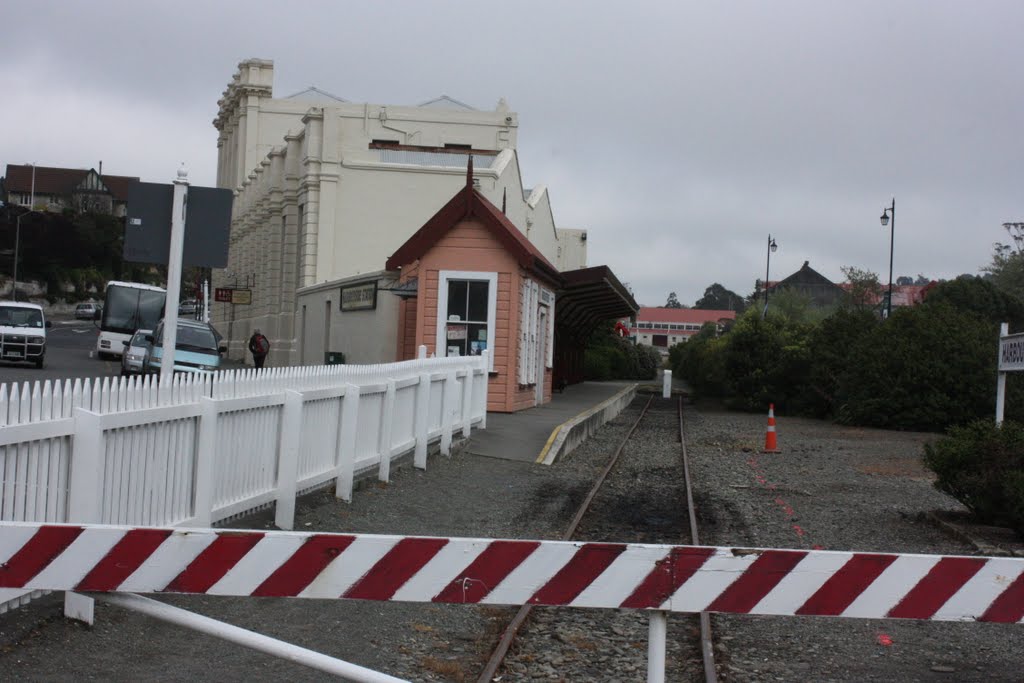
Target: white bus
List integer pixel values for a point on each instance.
(127, 306)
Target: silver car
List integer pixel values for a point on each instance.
(135, 360)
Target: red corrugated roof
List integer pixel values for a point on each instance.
(682, 315)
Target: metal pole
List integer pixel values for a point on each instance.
(1004, 330)
(250, 639)
(656, 632)
(767, 269)
(892, 235)
(174, 259)
(17, 239)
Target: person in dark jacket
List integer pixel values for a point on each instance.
(259, 347)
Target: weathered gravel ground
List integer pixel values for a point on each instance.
(839, 489)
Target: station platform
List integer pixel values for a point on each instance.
(541, 434)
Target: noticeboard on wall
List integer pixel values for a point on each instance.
(361, 297)
(230, 295)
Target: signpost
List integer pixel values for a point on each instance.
(1011, 359)
(229, 295)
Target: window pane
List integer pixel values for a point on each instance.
(477, 341)
(477, 301)
(457, 299)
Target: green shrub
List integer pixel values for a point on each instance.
(597, 364)
(982, 466)
(925, 368)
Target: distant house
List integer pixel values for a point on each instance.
(810, 283)
(55, 189)
(663, 327)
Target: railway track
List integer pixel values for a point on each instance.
(632, 500)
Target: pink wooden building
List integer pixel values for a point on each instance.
(476, 283)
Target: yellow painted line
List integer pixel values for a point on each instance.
(554, 432)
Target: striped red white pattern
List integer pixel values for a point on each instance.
(505, 572)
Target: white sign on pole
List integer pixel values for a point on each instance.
(1011, 352)
(1011, 359)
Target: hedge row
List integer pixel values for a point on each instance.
(928, 367)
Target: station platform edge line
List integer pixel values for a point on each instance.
(542, 458)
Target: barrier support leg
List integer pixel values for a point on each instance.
(657, 632)
(79, 607)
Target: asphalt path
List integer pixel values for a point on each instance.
(70, 353)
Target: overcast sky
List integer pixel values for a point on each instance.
(679, 134)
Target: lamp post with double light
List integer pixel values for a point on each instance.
(17, 229)
(887, 213)
(772, 246)
(17, 240)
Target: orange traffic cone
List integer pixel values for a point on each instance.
(770, 444)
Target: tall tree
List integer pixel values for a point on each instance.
(718, 298)
(1007, 268)
(673, 301)
(865, 289)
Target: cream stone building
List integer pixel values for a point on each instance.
(326, 190)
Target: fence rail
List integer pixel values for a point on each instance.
(201, 450)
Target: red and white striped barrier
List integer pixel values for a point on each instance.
(506, 572)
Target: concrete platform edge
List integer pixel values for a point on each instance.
(570, 434)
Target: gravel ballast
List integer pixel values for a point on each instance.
(832, 487)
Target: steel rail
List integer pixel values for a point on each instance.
(498, 656)
(706, 646)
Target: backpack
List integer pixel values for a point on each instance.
(262, 345)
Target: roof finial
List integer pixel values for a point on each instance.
(469, 172)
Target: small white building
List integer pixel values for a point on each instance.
(327, 190)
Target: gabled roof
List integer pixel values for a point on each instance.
(445, 102)
(467, 204)
(806, 276)
(61, 181)
(314, 94)
(649, 314)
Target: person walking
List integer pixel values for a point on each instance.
(259, 346)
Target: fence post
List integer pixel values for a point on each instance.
(467, 401)
(387, 417)
(85, 493)
(288, 460)
(485, 363)
(205, 471)
(422, 423)
(421, 353)
(447, 412)
(85, 481)
(347, 443)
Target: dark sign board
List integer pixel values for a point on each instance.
(359, 297)
(147, 230)
(233, 296)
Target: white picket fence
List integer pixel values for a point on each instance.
(206, 449)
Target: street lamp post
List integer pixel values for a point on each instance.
(886, 213)
(17, 230)
(772, 246)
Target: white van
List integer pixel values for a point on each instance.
(22, 333)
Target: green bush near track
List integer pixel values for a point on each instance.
(982, 466)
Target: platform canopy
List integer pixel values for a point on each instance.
(589, 297)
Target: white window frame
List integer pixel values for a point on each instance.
(441, 341)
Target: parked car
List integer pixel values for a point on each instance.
(23, 332)
(188, 307)
(87, 311)
(197, 349)
(135, 359)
